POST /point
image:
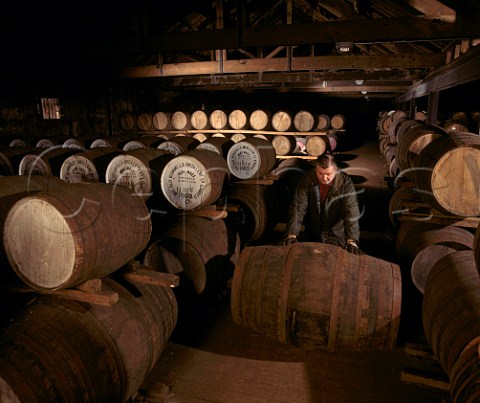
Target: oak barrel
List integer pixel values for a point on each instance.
(207, 250)
(46, 161)
(88, 166)
(219, 145)
(11, 157)
(251, 158)
(451, 307)
(465, 376)
(259, 119)
(284, 145)
(411, 143)
(317, 296)
(74, 233)
(162, 120)
(305, 121)
(194, 179)
(181, 120)
(413, 236)
(60, 350)
(199, 120)
(282, 121)
(259, 208)
(317, 145)
(127, 121)
(424, 261)
(338, 121)
(323, 122)
(237, 119)
(218, 119)
(179, 144)
(112, 141)
(139, 170)
(143, 142)
(449, 174)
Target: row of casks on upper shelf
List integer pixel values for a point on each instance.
(55, 236)
(260, 119)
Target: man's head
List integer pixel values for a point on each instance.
(325, 168)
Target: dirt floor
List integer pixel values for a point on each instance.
(209, 358)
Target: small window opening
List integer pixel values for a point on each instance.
(50, 108)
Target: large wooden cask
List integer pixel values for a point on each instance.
(219, 145)
(140, 170)
(127, 121)
(11, 157)
(237, 119)
(88, 165)
(145, 121)
(317, 296)
(451, 307)
(162, 120)
(284, 145)
(282, 121)
(251, 158)
(218, 119)
(112, 141)
(317, 145)
(45, 161)
(181, 120)
(205, 250)
(61, 238)
(199, 120)
(259, 119)
(179, 144)
(60, 350)
(305, 121)
(194, 179)
(449, 174)
(143, 142)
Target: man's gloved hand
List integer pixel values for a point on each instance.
(352, 247)
(288, 240)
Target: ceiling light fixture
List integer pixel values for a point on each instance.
(344, 47)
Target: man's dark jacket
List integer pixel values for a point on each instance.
(333, 224)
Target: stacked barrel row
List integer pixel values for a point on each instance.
(440, 169)
(218, 119)
(56, 237)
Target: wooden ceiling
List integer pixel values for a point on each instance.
(397, 48)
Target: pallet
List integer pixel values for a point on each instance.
(419, 211)
(427, 371)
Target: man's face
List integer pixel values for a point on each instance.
(325, 175)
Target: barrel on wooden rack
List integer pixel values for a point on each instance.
(305, 121)
(410, 144)
(219, 145)
(259, 119)
(218, 119)
(100, 228)
(449, 174)
(451, 307)
(251, 158)
(45, 161)
(181, 120)
(113, 141)
(140, 170)
(179, 144)
(13, 189)
(284, 145)
(282, 121)
(162, 120)
(206, 249)
(127, 121)
(11, 157)
(237, 119)
(465, 376)
(313, 295)
(145, 121)
(323, 122)
(194, 179)
(60, 350)
(88, 166)
(260, 208)
(413, 236)
(317, 145)
(338, 121)
(143, 142)
(199, 120)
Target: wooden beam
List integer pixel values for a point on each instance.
(434, 9)
(281, 64)
(361, 31)
(461, 71)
